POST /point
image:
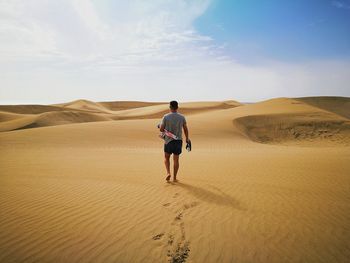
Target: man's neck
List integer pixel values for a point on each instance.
(173, 111)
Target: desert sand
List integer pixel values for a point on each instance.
(265, 182)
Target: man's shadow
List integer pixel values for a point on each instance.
(219, 198)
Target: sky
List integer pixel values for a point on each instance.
(160, 50)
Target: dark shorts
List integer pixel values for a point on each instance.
(174, 147)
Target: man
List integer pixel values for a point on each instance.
(173, 122)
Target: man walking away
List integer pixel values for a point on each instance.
(173, 122)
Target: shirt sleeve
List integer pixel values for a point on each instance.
(163, 122)
(185, 122)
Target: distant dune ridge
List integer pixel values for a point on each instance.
(305, 119)
(265, 182)
(34, 116)
(273, 121)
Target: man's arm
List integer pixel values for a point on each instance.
(186, 132)
(162, 125)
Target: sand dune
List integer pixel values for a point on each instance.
(7, 116)
(95, 191)
(65, 117)
(29, 109)
(50, 119)
(123, 105)
(297, 122)
(188, 108)
(279, 128)
(85, 105)
(337, 105)
(281, 120)
(13, 122)
(88, 111)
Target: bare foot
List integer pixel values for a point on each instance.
(175, 180)
(168, 178)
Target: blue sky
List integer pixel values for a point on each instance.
(158, 50)
(279, 29)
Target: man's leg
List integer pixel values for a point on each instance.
(167, 165)
(176, 165)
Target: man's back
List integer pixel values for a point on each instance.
(174, 123)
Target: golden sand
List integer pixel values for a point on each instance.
(265, 182)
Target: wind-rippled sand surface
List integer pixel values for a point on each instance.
(265, 182)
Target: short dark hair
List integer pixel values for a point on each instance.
(174, 105)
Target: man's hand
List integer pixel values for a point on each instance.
(188, 145)
(161, 128)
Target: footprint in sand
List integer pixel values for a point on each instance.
(179, 216)
(190, 205)
(178, 246)
(170, 240)
(157, 237)
(181, 253)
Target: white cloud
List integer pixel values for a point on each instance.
(78, 32)
(54, 51)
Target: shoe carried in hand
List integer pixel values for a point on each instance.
(189, 145)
